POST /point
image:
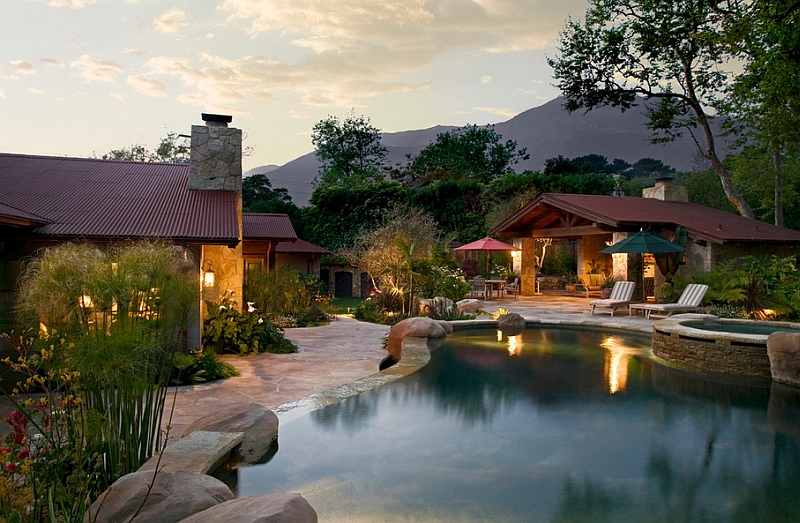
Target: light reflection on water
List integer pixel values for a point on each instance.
(574, 425)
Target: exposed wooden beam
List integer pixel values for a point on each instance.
(565, 232)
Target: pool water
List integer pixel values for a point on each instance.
(763, 329)
(553, 425)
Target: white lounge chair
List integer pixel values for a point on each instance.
(689, 301)
(513, 288)
(478, 287)
(620, 297)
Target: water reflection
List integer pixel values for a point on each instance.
(578, 426)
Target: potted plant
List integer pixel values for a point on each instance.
(571, 282)
(606, 286)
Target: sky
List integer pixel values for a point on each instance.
(83, 77)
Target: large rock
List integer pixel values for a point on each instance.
(783, 349)
(469, 306)
(266, 508)
(511, 324)
(258, 423)
(175, 496)
(439, 305)
(415, 327)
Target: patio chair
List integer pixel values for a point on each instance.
(620, 297)
(690, 300)
(513, 288)
(478, 286)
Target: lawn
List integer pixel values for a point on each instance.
(343, 304)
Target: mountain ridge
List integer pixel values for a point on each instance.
(547, 131)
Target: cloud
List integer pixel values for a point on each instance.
(2, 95)
(170, 21)
(117, 97)
(147, 85)
(35, 90)
(485, 79)
(68, 4)
(494, 110)
(96, 70)
(51, 62)
(18, 67)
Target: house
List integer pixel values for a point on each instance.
(300, 255)
(594, 222)
(46, 200)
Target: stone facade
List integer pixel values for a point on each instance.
(215, 163)
(722, 356)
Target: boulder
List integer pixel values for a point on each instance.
(266, 508)
(439, 304)
(258, 423)
(415, 327)
(447, 326)
(469, 306)
(783, 349)
(175, 496)
(511, 324)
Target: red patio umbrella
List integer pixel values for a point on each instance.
(487, 244)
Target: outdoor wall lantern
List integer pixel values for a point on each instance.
(208, 274)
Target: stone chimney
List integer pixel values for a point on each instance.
(215, 160)
(666, 191)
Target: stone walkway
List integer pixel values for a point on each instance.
(346, 350)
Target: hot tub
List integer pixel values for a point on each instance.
(708, 343)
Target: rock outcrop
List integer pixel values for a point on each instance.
(415, 327)
(174, 496)
(783, 349)
(266, 508)
(469, 306)
(258, 423)
(511, 324)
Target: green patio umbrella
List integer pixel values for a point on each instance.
(643, 242)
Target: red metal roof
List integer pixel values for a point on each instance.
(267, 226)
(106, 199)
(626, 213)
(300, 247)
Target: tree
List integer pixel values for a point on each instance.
(259, 196)
(350, 151)
(469, 153)
(666, 50)
(765, 98)
(171, 149)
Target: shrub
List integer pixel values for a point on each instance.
(285, 293)
(225, 329)
(371, 311)
(199, 367)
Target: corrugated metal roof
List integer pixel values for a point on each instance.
(267, 226)
(626, 213)
(92, 198)
(300, 247)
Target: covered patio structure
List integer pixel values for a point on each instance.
(595, 222)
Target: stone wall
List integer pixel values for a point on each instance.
(725, 356)
(215, 163)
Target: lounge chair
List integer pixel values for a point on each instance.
(689, 301)
(620, 297)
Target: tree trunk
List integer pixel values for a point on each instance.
(776, 160)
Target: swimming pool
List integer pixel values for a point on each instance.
(553, 425)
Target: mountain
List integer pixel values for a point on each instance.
(546, 131)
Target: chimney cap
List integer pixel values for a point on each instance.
(216, 120)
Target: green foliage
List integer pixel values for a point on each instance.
(225, 329)
(657, 49)
(560, 264)
(122, 310)
(258, 196)
(199, 367)
(350, 151)
(469, 153)
(286, 294)
(456, 206)
(439, 281)
(371, 311)
(337, 215)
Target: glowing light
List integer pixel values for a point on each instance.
(515, 345)
(208, 274)
(616, 369)
(499, 336)
(85, 301)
